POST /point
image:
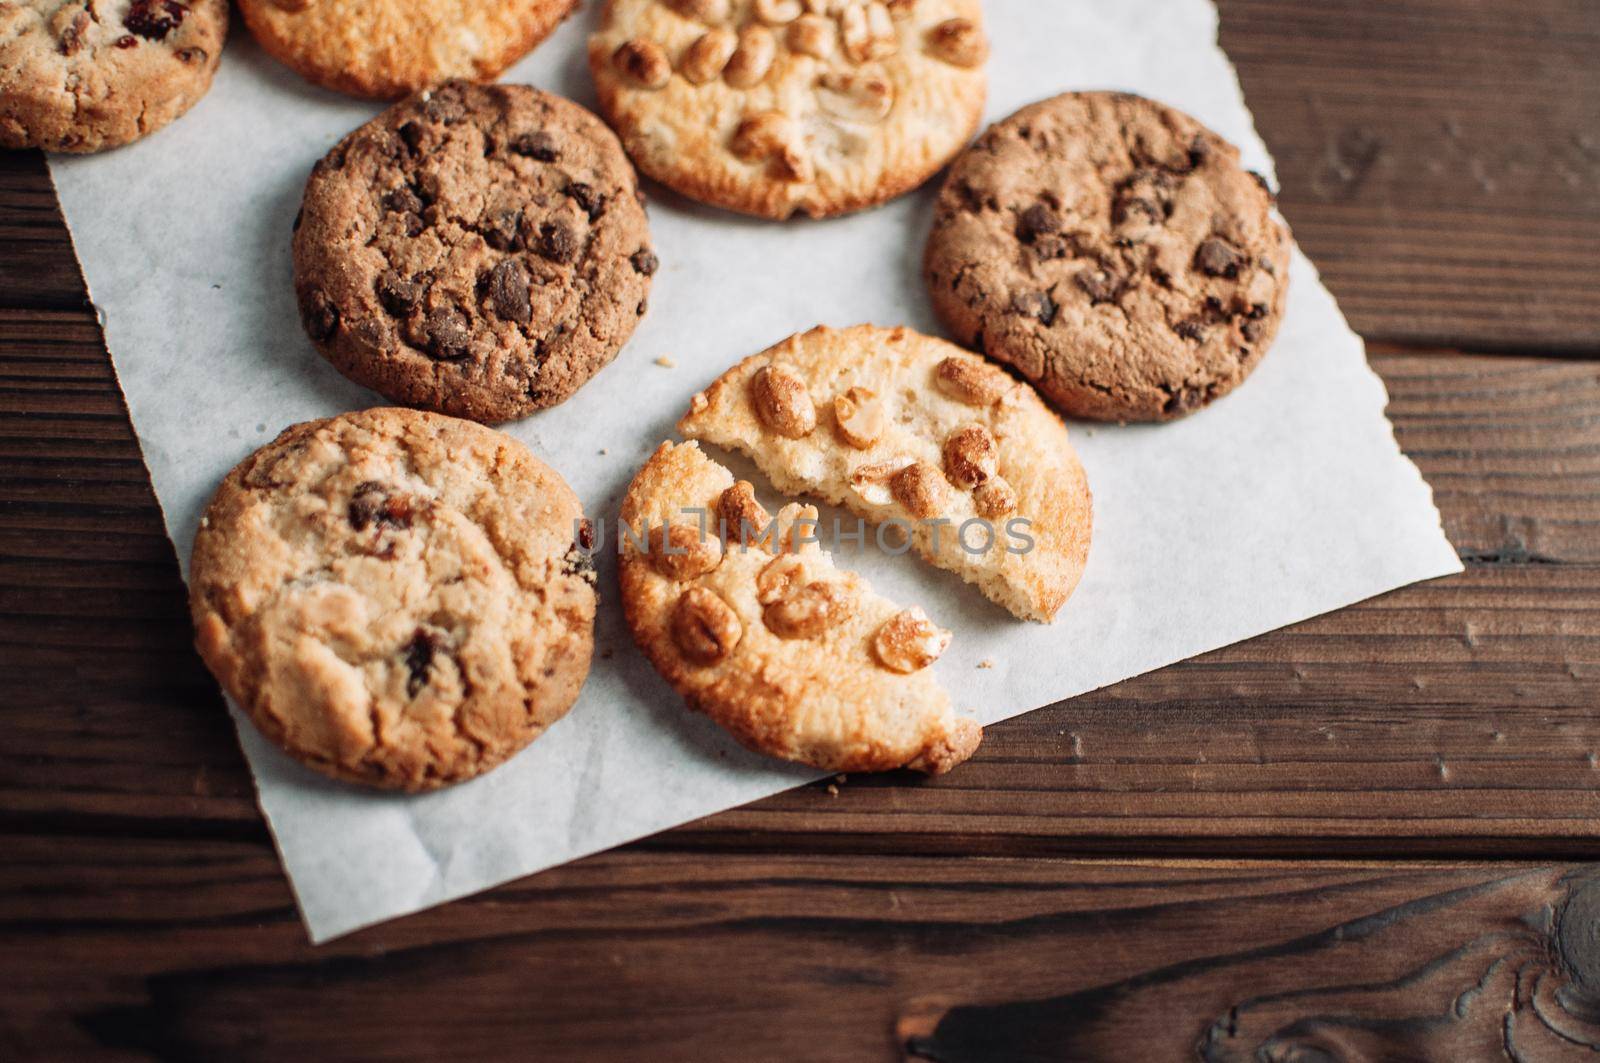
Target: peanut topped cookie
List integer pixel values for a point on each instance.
(1114, 251)
(476, 250)
(395, 597)
(754, 625)
(84, 75)
(773, 106)
(899, 427)
(389, 48)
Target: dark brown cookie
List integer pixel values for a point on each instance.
(1113, 250)
(477, 250)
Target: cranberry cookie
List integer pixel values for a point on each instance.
(896, 426)
(796, 658)
(774, 106)
(84, 75)
(477, 250)
(1113, 250)
(395, 597)
(388, 48)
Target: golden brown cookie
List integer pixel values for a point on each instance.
(84, 75)
(796, 658)
(479, 250)
(395, 598)
(899, 427)
(388, 48)
(773, 106)
(1114, 251)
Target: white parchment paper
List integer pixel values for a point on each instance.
(1285, 500)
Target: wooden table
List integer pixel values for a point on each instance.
(1360, 838)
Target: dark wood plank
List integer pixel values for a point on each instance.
(188, 949)
(1440, 161)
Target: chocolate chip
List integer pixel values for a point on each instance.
(1217, 259)
(411, 133)
(319, 315)
(557, 242)
(191, 55)
(127, 40)
(645, 261)
(1183, 400)
(1262, 181)
(373, 503)
(503, 230)
(1038, 220)
(1192, 329)
(414, 224)
(1125, 208)
(1252, 330)
(1036, 305)
(403, 200)
(1052, 246)
(447, 336)
(72, 36)
(333, 160)
(154, 19)
(444, 105)
(588, 200)
(586, 534)
(540, 146)
(419, 654)
(1199, 151)
(509, 291)
(398, 295)
(1100, 285)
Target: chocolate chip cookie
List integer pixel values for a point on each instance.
(84, 75)
(1113, 250)
(388, 48)
(774, 106)
(476, 250)
(394, 597)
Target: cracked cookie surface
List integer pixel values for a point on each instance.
(85, 75)
(900, 427)
(769, 107)
(795, 657)
(394, 597)
(477, 250)
(1115, 252)
(388, 48)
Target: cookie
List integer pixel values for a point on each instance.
(477, 250)
(85, 75)
(898, 427)
(773, 106)
(1113, 250)
(796, 658)
(395, 598)
(385, 49)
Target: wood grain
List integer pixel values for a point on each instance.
(1331, 842)
(1439, 160)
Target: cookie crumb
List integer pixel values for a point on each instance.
(666, 362)
(987, 662)
(833, 791)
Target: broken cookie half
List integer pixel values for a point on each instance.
(900, 428)
(752, 623)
